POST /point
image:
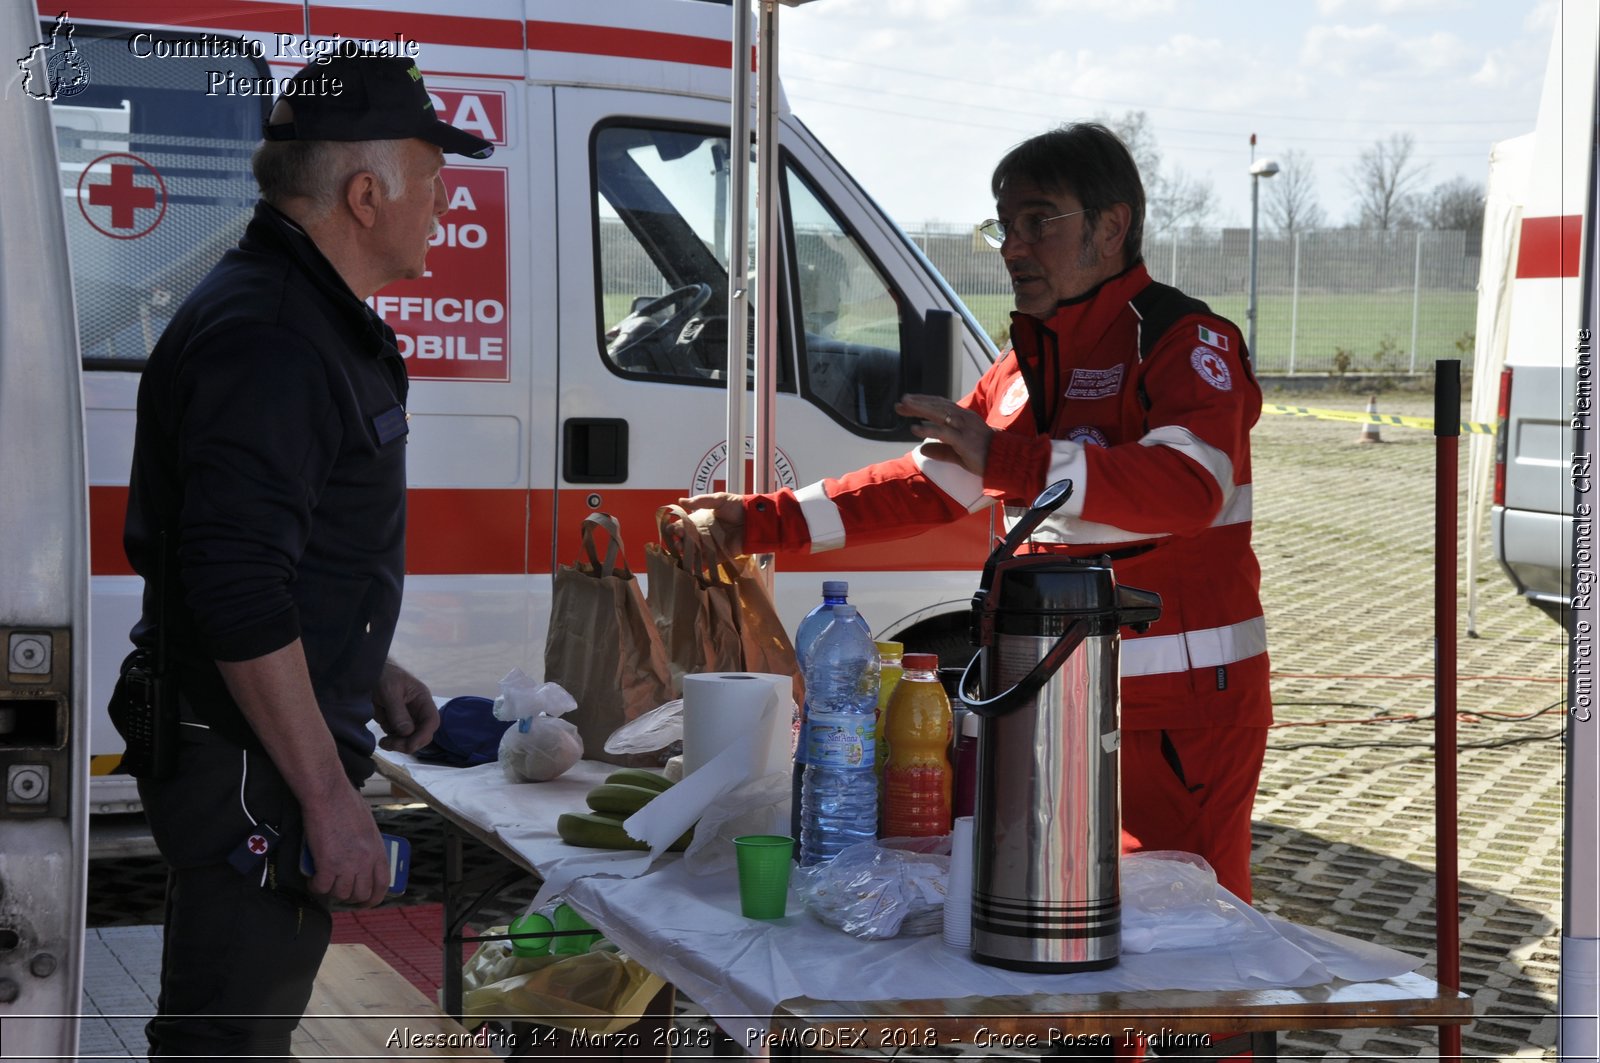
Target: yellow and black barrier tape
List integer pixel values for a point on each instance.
(1361, 417)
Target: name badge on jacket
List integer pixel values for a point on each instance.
(390, 424)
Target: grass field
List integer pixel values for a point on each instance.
(1372, 328)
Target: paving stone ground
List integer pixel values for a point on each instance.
(1345, 813)
(1345, 818)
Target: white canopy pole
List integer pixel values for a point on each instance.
(738, 245)
(768, 241)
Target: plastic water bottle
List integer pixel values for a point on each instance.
(834, 592)
(839, 802)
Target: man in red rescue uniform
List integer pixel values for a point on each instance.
(1144, 399)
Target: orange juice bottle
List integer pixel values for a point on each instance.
(917, 778)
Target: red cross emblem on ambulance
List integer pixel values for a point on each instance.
(122, 196)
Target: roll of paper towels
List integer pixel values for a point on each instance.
(720, 706)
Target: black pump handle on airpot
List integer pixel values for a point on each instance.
(1049, 500)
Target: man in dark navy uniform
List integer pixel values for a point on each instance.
(266, 513)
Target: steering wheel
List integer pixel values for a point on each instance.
(637, 340)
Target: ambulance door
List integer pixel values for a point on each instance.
(44, 583)
(643, 343)
(476, 332)
(155, 178)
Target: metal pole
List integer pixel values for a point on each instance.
(767, 245)
(1416, 295)
(1173, 280)
(738, 245)
(1250, 312)
(1294, 304)
(1447, 440)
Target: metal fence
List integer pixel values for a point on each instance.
(1328, 301)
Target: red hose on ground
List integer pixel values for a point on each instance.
(1447, 436)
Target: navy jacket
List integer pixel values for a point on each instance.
(270, 458)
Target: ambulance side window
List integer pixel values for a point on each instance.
(850, 315)
(155, 178)
(661, 239)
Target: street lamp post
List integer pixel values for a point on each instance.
(1258, 170)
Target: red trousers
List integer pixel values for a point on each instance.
(1192, 790)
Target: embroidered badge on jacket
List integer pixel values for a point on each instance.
(1212, 369)
(1215, 339)
(1015, 398)
(1094, 383)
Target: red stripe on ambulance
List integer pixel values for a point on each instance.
(461, 531)
(355, 23)
(1550, 247)
(627, 43)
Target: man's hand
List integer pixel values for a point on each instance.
(352, 866)
(720, 515)
(957, 434)
(403, 706)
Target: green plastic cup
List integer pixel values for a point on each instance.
(569, 920)
(764, 862)
(531, 935)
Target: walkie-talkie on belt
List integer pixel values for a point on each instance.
(144, 705)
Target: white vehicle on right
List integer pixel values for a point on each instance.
(1529, 316)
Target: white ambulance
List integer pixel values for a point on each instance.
(568, 347)
(1528, 317)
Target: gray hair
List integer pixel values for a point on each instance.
(1088, 161)
(319, 170)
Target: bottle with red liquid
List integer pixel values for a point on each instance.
(917, 777)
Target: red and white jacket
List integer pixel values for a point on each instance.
(1158, 450)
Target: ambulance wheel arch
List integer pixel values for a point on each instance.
(947, 634)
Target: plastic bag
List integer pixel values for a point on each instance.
(872, 891)
(1170, 900)
(600, 991)
(649, 731)
(541, 746)
(760, 806)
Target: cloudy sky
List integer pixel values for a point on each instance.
(919, 98)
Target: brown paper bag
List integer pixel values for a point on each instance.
(762, 638)
(713, 608)
(603, 646)
(694, 602)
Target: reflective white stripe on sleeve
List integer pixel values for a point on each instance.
(1236, 510)
(964, 488)
(1067, 462)
(1206, 648)
(1185, 442)
(822, 518)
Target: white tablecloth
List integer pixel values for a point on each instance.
(688, 929)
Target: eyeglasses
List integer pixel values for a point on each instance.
(1027, 227)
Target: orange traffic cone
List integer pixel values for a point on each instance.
(1369, 431)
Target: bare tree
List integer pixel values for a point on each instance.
(1456, 204)
(1173, 199)
(1385, 181)
(1291, 197)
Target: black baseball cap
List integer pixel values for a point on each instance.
(379, 98)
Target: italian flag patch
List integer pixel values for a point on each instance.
(1212, 338)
